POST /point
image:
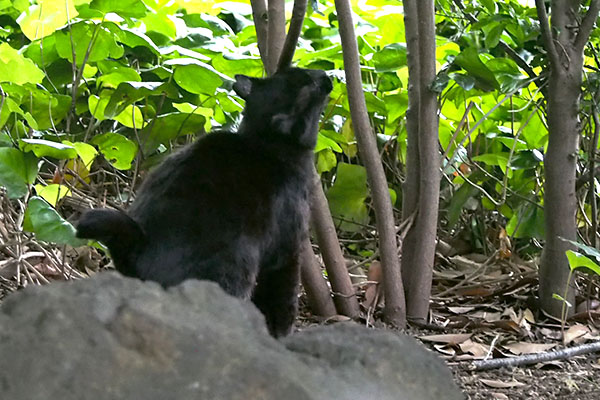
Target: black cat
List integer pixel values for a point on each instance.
(232, 207)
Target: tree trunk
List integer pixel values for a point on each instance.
(275, 35)
(564, 92)
(410, 187)
(317, 292)
(394, 311)
(417, 262)
(344, 293)
(260, 17)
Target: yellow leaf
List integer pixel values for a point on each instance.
(43, 19)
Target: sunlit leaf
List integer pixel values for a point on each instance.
(44, 18)
(577, 260)
(80, 35)
(117, 149)
(52, 193)
(197, 78)
(125, 8)
(17, 69)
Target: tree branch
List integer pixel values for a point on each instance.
(536, 358)
(547, 33)
(587, 25)
(291, 40)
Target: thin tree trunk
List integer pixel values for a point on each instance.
(419, 267)
(344, 293)
(260, 16)
(394, 311)
(317, 291)
(564, 45)
(276, 34)
(410, 188)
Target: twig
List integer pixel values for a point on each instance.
(528, 359)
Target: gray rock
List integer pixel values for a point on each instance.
(116, 338)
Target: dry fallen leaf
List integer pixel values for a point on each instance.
(575, 332)
(451, 338)
(478, 350)
(528, 348)
(501, 385)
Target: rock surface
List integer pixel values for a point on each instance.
(116, 338)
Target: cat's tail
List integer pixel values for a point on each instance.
(118, 231)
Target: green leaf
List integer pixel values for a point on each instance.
(8, 108)
(129, 92)
(81, 34)
(17, 69)
(490, 5)
(492, 37)
(197, 77)
(17, 170)
(131, 117)
(323, 142)
(48, 109)
(326, 160)
(188, 108)
(117, 149)
(47, 148)
(43, 220)
(125, 8)
(86, 152)
(461, 198)
(347, 197)
(162, 23)
(499, 159)
(236, 64)
(52, 193)
(134, 39)
(469, 60)
(44, 18)
(577, 260)
(535, 132)
(390, 58)
(528, 222)
(117, 76)
(588, 250)
(464, 81)
(97, 105)
(170, 126)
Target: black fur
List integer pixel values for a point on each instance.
(232, 207)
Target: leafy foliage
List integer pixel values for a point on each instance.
(100, 85)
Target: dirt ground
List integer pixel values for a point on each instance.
(576, 379)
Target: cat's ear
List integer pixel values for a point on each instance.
(243, 85)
